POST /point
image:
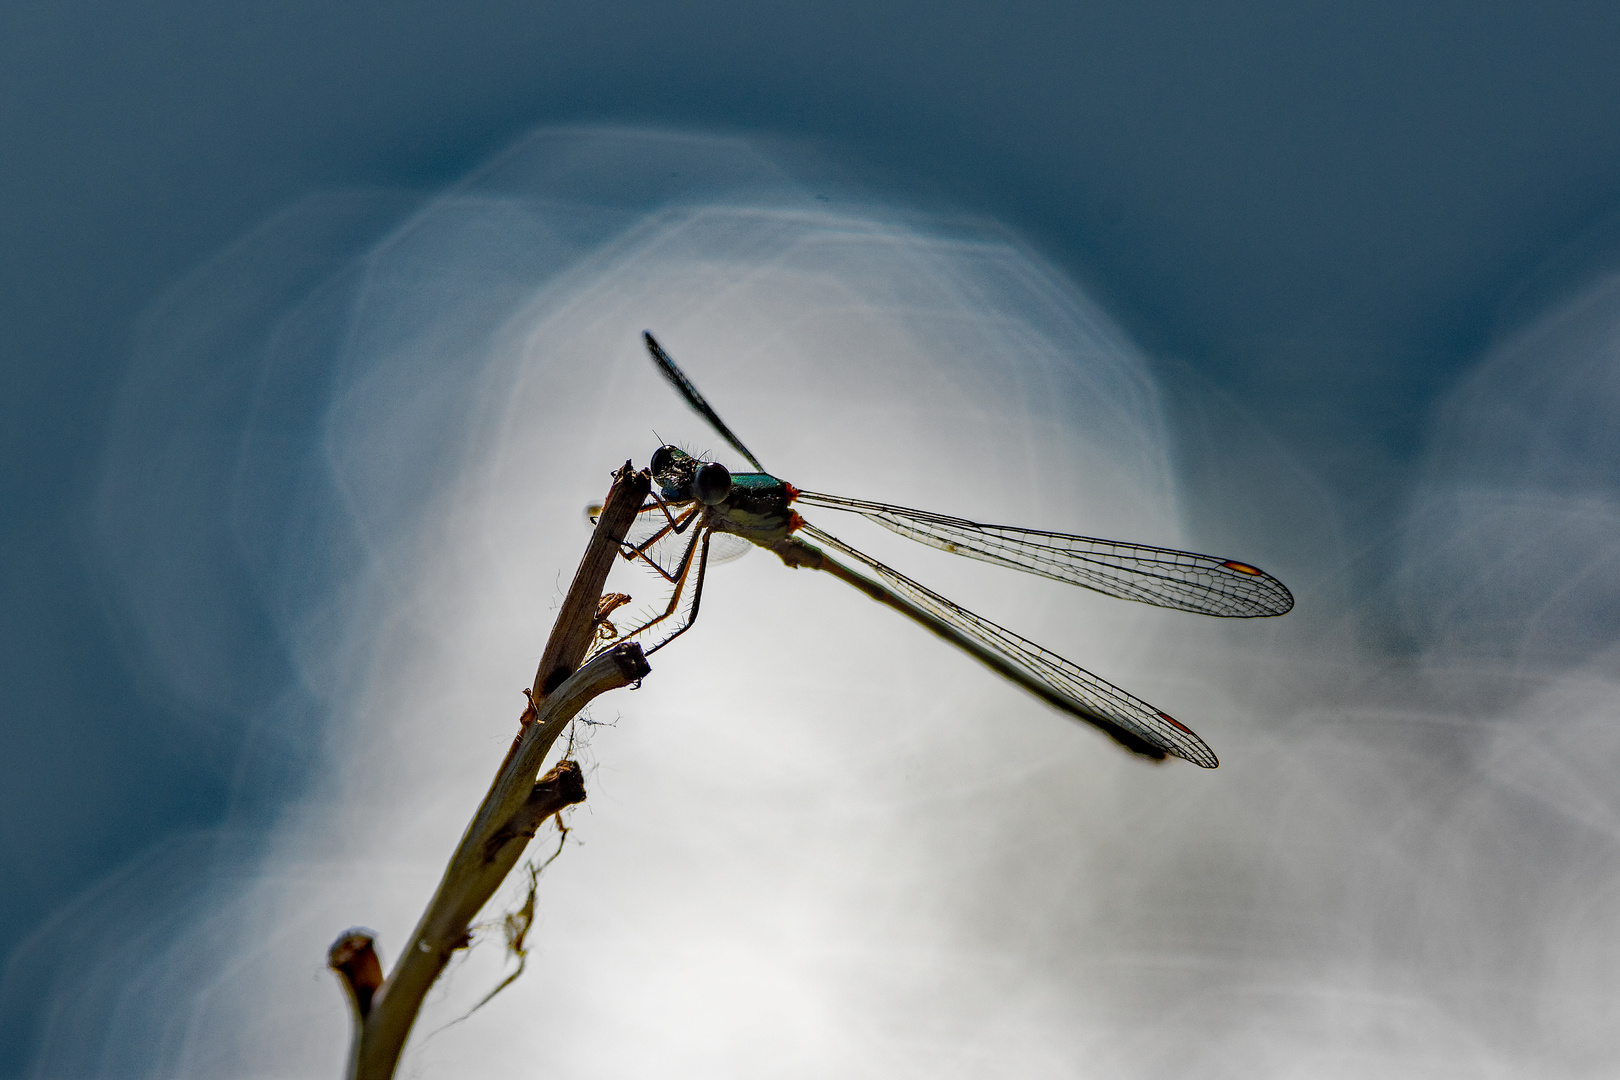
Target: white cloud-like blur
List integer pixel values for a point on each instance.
(817, 841)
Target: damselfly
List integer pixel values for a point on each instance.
(697, 500)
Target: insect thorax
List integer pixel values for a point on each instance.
(757, 508)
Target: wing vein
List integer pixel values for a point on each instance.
(1164, 577)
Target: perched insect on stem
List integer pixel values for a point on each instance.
(698, 501)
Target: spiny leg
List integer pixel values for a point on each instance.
(697, 595)
(658, 503)
(631, 552)
(679, 580)
(639, 551)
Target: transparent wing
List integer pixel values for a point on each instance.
(1160, 576)
(726, 547)
(1066, 685)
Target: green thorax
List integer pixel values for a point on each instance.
(757, 508)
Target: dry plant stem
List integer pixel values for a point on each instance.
(514, 808)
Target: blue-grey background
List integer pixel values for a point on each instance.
(1325, 212)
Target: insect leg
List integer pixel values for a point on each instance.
(679, 580)
(639, 551)
(697, 595)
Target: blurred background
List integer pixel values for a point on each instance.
(319, 328)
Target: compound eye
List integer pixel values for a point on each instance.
(712, 483)
(662, 459)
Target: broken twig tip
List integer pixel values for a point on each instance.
(561, 787)
(354, 957)
(631, 661)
